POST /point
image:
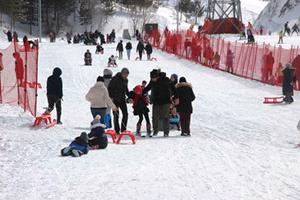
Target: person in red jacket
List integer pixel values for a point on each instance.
(296, 65)
(208, 56)
(229, 61)
(19, 68)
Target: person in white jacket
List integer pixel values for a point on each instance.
(99, 98)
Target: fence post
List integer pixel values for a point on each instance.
(36, 78)
(25, 85)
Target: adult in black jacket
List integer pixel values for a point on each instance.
(140, 49)
(9, 36)
(118, 89)
(185, 96)
(128, 49)
(55, 93)
(174, 81)
(120, 49)
(287, 84)
(149, 50)
(160, 96)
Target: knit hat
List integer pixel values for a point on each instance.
(100, 79)
(138, 90)
(107, 72)
(154, 73)
(97, 122)
(174, 76)
(182, 80)
(84, 137)
(125, 71)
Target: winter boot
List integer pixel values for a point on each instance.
(149, 130)
(138, 129)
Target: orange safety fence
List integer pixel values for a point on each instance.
(262, 63)
(19, 75)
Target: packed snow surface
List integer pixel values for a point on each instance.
(240, 148)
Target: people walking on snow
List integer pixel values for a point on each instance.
(78, 147)
(99, 98)
(287, 85)
(112, 61)
(140, 108)
(185, 95)
(149, 50)
(250, 36)
(128, 49)
(229, 61)
(160, 96)
(9, 36)
(87, 58)
(295, 29)
(55, 93)
(97, 136)
(99, 49)
(140, 49)
(281, 35)
(120, 49)
(118, 90)
(112, 36)
(287, 28)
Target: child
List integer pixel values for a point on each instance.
(174, 117)
(78, 147)
(112, 61)
(88, 58)
(140, 108)
(98, 139)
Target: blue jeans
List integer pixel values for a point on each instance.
(99, 111)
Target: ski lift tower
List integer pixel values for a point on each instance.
(224, 16)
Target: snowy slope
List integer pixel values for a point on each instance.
(277, 12)
(240, 149)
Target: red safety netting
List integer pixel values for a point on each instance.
(257, 62)
(19, 75)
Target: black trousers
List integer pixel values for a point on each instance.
(146, 115)
(141, 55)
(123, 107)
(54, 101)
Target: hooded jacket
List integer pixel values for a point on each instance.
(98, 96)
(54, 84)
(185, 94)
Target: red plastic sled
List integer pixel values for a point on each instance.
(126, 133)
(46, 118)
(273, 100)
(113, 134)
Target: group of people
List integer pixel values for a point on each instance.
(111, 93)
(91, 38)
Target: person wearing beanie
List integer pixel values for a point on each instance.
(287, 84)
(99, 98)
(118, 90)
(98, 138)
(184, 95)
(78, 147)
(160, 87)
(55, 93)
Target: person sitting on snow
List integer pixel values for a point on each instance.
(112, 61)
(88, 58)
(98, 138)
(99, 49)
(78, 147)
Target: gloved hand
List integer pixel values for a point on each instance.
(115, 109)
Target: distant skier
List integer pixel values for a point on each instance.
(78, 147)
(149, 50)
(55, 93)
(185, 95)
(88, 58)
(287, 85)
(140, 49)
(281, 35)
(287, 28)
(9, 36)
(120, 49)
(128, 49)
(250, 36)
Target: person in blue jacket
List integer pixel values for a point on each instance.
(78, 147)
